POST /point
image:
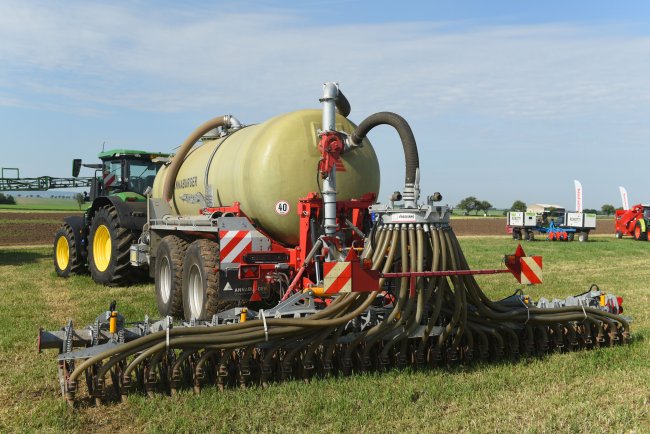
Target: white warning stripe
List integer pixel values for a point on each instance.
(237, 249)
(534, 271)
(333, 281)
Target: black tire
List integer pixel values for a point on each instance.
(639, 234)
(516, 234)
(529, 236)
(618, 235)
(200, 280)
(109, 261)
(583, 237)
(66, 260)
(571, 236)
(168, 275)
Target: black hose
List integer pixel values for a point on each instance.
(405, 134)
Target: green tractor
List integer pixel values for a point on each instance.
(99, 241)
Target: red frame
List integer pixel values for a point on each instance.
(310, 206)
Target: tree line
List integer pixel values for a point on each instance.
(472, 204)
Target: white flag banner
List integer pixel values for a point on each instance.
(626, 204)
(578, 195)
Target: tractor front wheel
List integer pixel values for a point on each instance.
(108, 248)
(639, 233)
(66, 260)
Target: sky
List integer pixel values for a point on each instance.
(508, 100)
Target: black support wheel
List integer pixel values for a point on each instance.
(200, 280)
(618, 235)
(169, 274)
(66, 260)
(108, 249)
(639, 233)
(583, 237)
(516, 234)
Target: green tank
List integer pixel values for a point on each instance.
(266, 168)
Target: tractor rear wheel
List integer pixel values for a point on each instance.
(169, 274)
(639, 234)
(66, 260)
(200, 281)
(108, 248)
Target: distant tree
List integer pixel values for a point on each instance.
(469, 204)
(7, 200)
(79, 197)
(518, 205)
(484, 206)
(590, 211)
(608, 209)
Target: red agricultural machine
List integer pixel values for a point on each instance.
(633, 222)
(272, 261)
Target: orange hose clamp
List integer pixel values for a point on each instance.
(602, 299)
(243, 315)
(112, 323)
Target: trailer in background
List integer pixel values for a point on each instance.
(554, 222)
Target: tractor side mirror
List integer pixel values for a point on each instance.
(76, 167)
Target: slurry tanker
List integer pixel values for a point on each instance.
(273, 260)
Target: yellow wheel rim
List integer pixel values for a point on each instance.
(102, 248)
(62, 253)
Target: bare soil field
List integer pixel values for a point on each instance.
(37, 228)
(29, 228)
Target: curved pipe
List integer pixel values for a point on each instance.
(402, 127)
(170, 177)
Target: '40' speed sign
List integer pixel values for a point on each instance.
(282, 207)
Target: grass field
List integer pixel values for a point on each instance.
(606, 390)
(42, 204)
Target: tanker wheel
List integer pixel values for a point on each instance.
(618, 235)
(639, 234)
(200, 281)
(108, 249)
(66, 261)
(584, 236)
(516, 235)
(530, 236)
(169, 275)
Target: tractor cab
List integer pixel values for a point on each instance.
(123, 171)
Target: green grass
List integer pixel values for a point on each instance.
(604, 390)
(42, 204)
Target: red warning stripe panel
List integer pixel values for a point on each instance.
(340, 167)
(233, 245)
(531, 270)
(338, 277)
(109, 179)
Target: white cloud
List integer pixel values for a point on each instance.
(498, 87)
(150, 59)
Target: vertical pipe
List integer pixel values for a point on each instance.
(330, 92)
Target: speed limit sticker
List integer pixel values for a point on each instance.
(282, 207)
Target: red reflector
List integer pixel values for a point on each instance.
(249, 272)
(620, 301)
